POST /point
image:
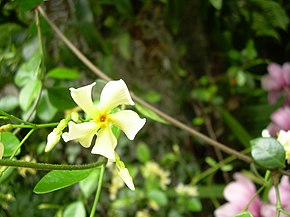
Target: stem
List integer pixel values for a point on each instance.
(36, 126)
(16, 119)
(275, 178)
(46, 166)
(168, 118)
(21, 143)
(98, 192)
(3, 169)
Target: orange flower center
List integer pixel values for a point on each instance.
(103, 118)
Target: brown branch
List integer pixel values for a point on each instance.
(168, 118)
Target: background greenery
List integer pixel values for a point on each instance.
(199, 61)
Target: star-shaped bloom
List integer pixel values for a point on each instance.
(114, 93)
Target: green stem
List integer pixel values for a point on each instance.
(16, 119)
(21, 143)
(98, 192)
(275, 178)
(46, 166)
(35, 126)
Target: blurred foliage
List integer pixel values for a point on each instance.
(200, 61)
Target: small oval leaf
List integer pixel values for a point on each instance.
(63, 73)
(58, 179)
(150, 114)
(244, 214)
(268, 153)
(76, 209)
(10, 142)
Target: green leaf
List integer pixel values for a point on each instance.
(244, 214)
(45, 110)
(28, 70)
(268, 153)
(76, 209)
(237, 129)
(150, 114)
(28, 4)
(28, 93)
(8, 103)
(143, 152)
(89, 184)
(217, 4)
(194, 205)
(60, 98)
(158, 196)
(63, 73)
(10, 142)
(58, 179)
(124, 46)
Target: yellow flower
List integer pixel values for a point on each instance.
(186, 190)
(114, 93)
(153, 169)
(284, 139)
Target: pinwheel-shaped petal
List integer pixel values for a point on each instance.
(114, 93)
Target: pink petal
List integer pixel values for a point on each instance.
(273, 96)
(227, 210)
(281, 118)
(276, 72)
(286, 72)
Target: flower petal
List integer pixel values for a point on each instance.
(281, 117)
(113, 94)
(125, 176)
(83, 133)
(83, 97)
(105, 144)
(129, 121)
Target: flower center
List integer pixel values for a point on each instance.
(103, 118)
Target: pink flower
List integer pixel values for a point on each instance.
(280, 121)
(269, 210)
(238, 194)
(277, 80)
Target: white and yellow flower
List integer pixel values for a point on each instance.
(284, 139)
(114, 93)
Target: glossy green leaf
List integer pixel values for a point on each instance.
(158, 196)
(268, 153)
(76, 209)
(10, 142)
(45, 110)
(58, 179)
(8, 103)
(124, 46)
(28, 70)
(89, 184)
(63, 73)
(238, 130)
(244, 214)
(60, 98)
(194, 205)
(28, 93)
(150, 114)
(217, 4)
(143, 152)
(28, 4)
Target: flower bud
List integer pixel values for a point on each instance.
(6, 128)
(125, 175)
(52, 139)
